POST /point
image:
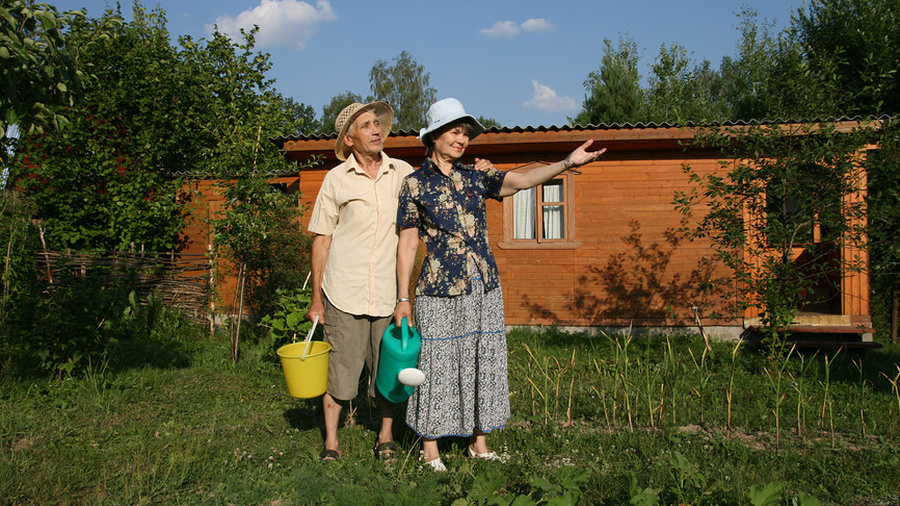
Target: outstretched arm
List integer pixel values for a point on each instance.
(515, 181)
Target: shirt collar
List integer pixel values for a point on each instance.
(353, 165)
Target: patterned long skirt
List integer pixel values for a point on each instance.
(463, 357)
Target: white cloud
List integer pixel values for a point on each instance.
(281, 22)
(502, 30)
(509, 29)
(545, 99)
(537, 25)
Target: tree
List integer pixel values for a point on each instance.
(680, 91)
(751, 82)
(488, 122)
(153, 111)
(302, 115)
(884, 224)
(404, 85)
(337, 104)
(100, 181)
(614, 91)
(780, 212)
(37, 74)
(855, 46)
(257, 234)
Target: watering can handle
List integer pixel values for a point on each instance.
(309, 337)
(404, 334)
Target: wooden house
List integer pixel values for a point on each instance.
(597, 249)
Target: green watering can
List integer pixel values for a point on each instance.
(397, 374)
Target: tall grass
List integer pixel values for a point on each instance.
(596, 420)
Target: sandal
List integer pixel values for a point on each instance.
(386, 451)
(488, 455)
(437, 465)
(328, 456)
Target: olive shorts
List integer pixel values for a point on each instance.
(355, 343)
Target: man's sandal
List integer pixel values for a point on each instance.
(328, 456)
(386, 451)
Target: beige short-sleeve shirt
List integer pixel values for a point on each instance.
(360, 215)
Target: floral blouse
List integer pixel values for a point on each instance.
(451, 216)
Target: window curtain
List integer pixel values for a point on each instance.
(523, 214)
(553, 215)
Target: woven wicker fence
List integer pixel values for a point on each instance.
(181, 281)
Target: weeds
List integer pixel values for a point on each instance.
(595, 421)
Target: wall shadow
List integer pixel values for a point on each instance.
(640, 284)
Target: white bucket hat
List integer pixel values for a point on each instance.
(348, 115)
(442, 113)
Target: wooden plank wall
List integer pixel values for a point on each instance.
(632, 267)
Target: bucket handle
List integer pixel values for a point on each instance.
(309, 337)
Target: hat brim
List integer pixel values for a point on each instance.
(425, 133)
(385, 116)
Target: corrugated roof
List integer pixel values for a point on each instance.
(280, 140)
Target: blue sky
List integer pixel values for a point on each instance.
(521, 62)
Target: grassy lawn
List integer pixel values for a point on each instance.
(596, 420)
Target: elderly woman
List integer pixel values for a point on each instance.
(459, 303)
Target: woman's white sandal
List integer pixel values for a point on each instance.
(483, 456)
(437, 465)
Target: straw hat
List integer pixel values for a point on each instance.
(346, 118)
(442, 113)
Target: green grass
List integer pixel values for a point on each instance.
(596, 420)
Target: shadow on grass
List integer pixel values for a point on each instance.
(135, 353)
(306, 415)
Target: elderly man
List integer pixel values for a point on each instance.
(354, 258)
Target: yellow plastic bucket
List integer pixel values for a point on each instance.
(306, 377)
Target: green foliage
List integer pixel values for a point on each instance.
(78, 321)
(101, 181)
(780, 211)
(838, 58)
(337, 104)
(765, 496)
(614, 92)
(404, 85)
(884, 220)
(238, 109)
(258, 231)
(165, 419)
(153, 111)
(37, 71)
(853, 47)
(256, 236)
(20, 243)
(287, 322)
(680, 91)
(302, 116)
(488, 122)
(90, 193)
(242, 112)
(755, 79)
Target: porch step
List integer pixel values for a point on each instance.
(850, 345)
(828, 336)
